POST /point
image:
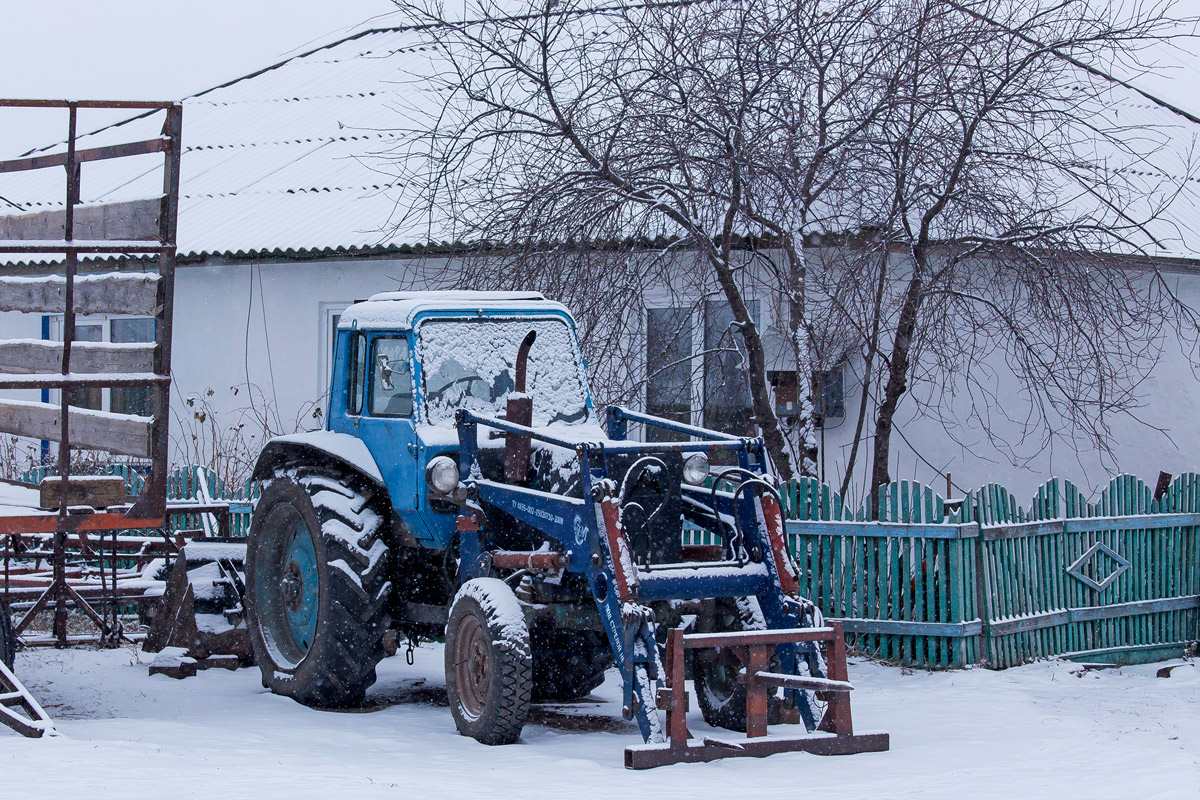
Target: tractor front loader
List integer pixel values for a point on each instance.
(465, 491)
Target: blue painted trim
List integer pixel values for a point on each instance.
(45, 448)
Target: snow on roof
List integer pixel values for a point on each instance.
(293, 159)
(398, 310)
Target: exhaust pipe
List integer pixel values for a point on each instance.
(520, 412)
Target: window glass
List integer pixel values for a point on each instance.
(726, 390)
(471, 364)
(358, 353)
(668, 369)
(132, 400)
(92, 397)
(391, 378)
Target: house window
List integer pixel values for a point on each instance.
(132, 399)
(668, 369)
(726, 389)
(137, 400)
(93, 396)
(829, 398)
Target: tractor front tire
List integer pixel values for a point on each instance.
(489, 662)
(719, 693)
(317, 585)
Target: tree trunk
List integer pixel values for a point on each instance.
(760, 395)
(897, 380)
(868, 365)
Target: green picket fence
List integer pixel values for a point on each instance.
(981, 581)
(989, 582)
(184, 484)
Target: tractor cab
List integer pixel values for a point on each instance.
(406, 362)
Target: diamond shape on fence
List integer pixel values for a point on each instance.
(1099, 559)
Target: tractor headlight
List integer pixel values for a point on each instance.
(695, 469)
(442, 474)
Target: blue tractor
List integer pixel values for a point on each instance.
(465, 490)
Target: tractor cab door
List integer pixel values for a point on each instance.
(385, 424)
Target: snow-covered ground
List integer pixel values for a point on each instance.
(1031, 732)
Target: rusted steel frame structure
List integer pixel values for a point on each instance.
(834, 735)
(149, 511)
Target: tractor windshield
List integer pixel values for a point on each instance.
(471, 364)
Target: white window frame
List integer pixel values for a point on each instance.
(328, 313)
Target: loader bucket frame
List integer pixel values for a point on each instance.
(755, 563)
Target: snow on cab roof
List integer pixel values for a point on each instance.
(399, 309)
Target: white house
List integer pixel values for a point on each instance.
(286, 218)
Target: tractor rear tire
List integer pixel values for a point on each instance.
(721, 697)
(317, 585)
(568, 664)
(489, 662)
(8, 641)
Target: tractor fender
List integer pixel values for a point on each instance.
(318, 447)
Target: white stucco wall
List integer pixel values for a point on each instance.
(256, 336)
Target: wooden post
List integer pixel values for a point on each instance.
(837, 718)
(677, 710)
(756, 690)
(64, 446)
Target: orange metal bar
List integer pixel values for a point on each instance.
(104, 521)
(618, 546)
(773, 517)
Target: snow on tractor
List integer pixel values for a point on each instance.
(464, 490)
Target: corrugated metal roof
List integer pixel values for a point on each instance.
(294, 157)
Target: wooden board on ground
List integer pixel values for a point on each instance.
(97, 491)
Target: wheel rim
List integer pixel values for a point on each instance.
(472, 665)
(289, 588)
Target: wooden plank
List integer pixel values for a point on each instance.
(892, 627)
(133, 220)
(104, 293)
(123, 434)
(74, 381)
(28, 356)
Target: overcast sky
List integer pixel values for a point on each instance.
(168, 49)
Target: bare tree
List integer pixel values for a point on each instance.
(961, 149)
(715, 130)
(1005, 188)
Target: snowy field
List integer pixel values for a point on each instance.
(1032, 732)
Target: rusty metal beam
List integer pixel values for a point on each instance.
(647, 756)
(747, 638)
(158, 145)
(149, 105)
